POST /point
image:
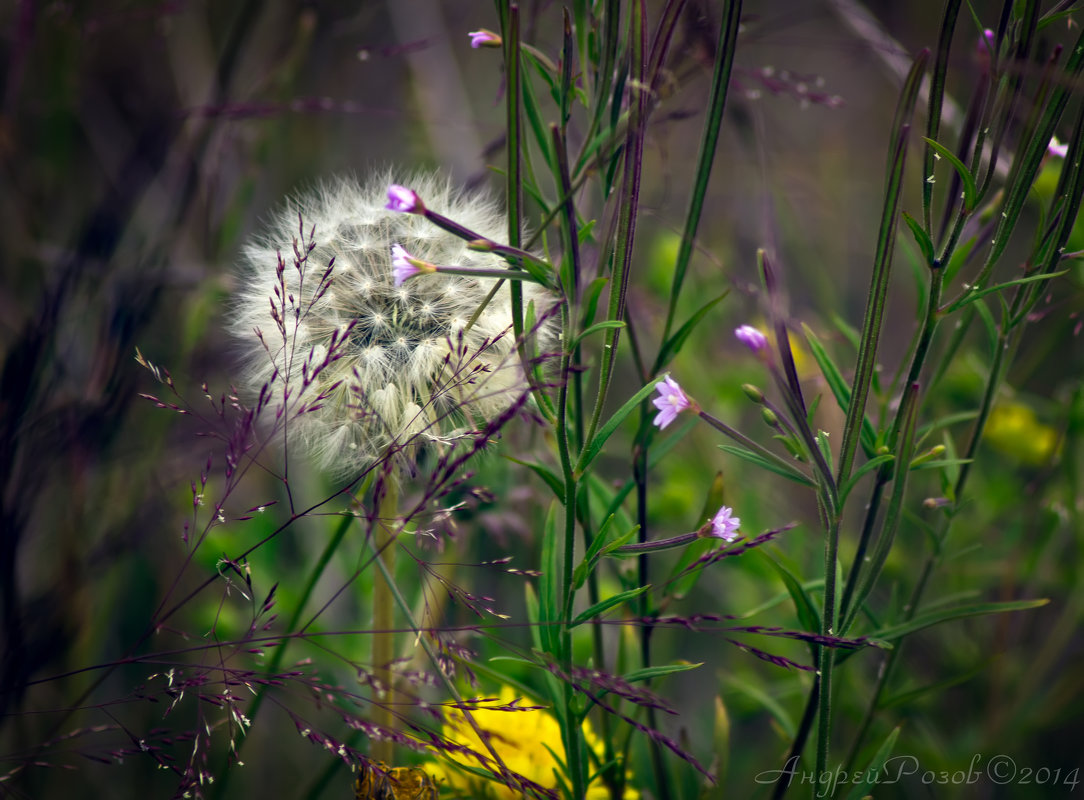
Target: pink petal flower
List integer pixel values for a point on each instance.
(724, 526)
(671, 401)
(484, 38)
(403, 199)
(751, 338)
(402, 265)
(1056, 148)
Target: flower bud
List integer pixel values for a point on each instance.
(753, 393)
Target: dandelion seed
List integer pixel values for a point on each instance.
(751, 338)
(377, 366)
(671, 401)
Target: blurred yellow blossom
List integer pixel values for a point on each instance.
(525, 741)
(1014, 429)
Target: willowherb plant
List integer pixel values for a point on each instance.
(356, 360)
(395, 317)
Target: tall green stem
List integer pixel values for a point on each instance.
(384, 617)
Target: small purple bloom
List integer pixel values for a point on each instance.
(484, 38)
(751, 338)
(403, 199)
(402, 265)
(1056, 148)
(671, 400)
(724, 526)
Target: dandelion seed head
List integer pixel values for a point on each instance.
(376, 365)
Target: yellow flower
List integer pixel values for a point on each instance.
(525, 741)
(1014, 429)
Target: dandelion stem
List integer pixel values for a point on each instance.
(383, 537)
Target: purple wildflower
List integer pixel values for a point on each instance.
(751, 338)
(405, 200)
(404, 266)
(1056, 148)
(671, 400)
(484, 38)
(724, 526)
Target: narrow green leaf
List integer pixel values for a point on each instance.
(821, 438)
(882, 268)
(959, 612)
(838, 386)
(936, 99)
(873, 771)
(590, 299)
(765, 701)
(609, 501)
(720, 83)
(659, 671)
(600, 540)
(946, 421)
(674, 344)
(989, 324)
(942, 462)
(960, 256)
(601, 545)
(808, 616)
(587, 230)
(594, 447)
(848, 331)
(534, 614)
(548, 476)
(909, 698)
(974, 294)
(922, 239)
(869, 466)
(890, 523)
(721, 747)
(970, 190)
(779, 467)
(598, 326)
(549, 603)
(538, 126)
(605, 605)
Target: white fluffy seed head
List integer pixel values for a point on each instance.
(358, 369)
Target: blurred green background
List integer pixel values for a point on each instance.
(142, 142)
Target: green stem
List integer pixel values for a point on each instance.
(514, 116)
(571, 728)
(626, 227)
(383, 533)
(882, 267)
(825, 654)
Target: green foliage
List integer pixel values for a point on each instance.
(906, 479)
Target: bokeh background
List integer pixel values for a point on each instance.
(142, 142)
